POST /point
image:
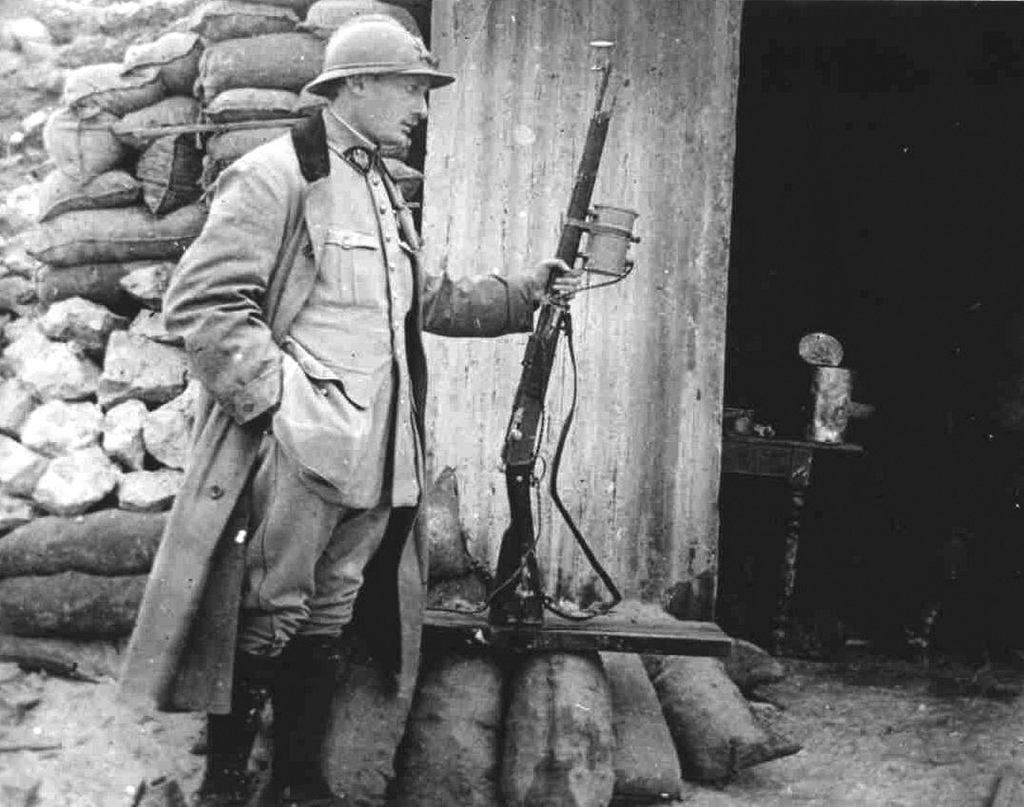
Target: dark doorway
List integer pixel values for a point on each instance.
(879, 166)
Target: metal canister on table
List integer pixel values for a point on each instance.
(831, 397)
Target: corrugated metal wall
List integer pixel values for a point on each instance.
(640, 473)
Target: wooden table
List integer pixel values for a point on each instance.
(792, 461)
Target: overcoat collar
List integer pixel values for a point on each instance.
(310, 141)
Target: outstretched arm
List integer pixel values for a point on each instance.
(492, 305)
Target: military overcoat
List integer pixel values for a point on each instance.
(236, 291)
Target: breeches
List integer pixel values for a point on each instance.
(305, 558)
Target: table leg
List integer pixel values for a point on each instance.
(798, 497)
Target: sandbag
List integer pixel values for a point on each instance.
(108, 542)
(77, 659)
(465, 593)
(224, 148)
(177, 110)
(646, 764)
(450, 752)
(365, 728)
(70, 604)
(17, 295)
(715, 732)
(325, 16)
(251, 103)
(300, 7)
(309, 103)
(273, 61)
(559, 742)
(227, 19)
(105, 88)
(59, 193)
(169, 170)
(125, 234)
(175, 55)
(98, 282)
(749, 666)
(79, 148)
(438, 527)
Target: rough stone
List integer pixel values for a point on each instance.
(33, 123)
(17, 260)
(167, 430)
(149, 491)
(91, 49)
(17, 295)
(16, 33)
(122, 434)
(58, 427)
(59, 370)
(83, 321)
(150, 324)
(19, 209)
(17, 400)
(20, 467)
(14, 513)
(136, 367)
(76, 482)
(147, 284)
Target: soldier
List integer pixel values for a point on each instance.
(302, 305)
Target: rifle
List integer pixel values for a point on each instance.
(517, 597)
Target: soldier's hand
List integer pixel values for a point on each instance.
(567, 281)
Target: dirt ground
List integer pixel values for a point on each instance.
(876, 733)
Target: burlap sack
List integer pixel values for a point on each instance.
(273, 61)
(71, 604)
(176, 57)
(226, 19)
(251, 103)
(451, 750)
(646, 764)
(224, 148)
(559, 742)
(715, 732)
(309, 103)
(60, 193)
(439, 527)
(300, 7)
(169, 170)
(98, 282)
(115, 236)
(104, 88)
(177, 110)
(107, 542)
(82, 149)
(325, 16)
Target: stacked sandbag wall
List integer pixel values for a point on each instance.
(95, 395)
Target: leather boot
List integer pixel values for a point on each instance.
(310, 668)
(230, 737)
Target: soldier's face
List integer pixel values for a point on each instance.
(388, 108)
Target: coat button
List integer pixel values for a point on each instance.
(216, 491)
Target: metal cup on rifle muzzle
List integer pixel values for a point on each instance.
(609, 234)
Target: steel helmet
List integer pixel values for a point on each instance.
(375, 44)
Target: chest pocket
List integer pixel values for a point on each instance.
(352, 267)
